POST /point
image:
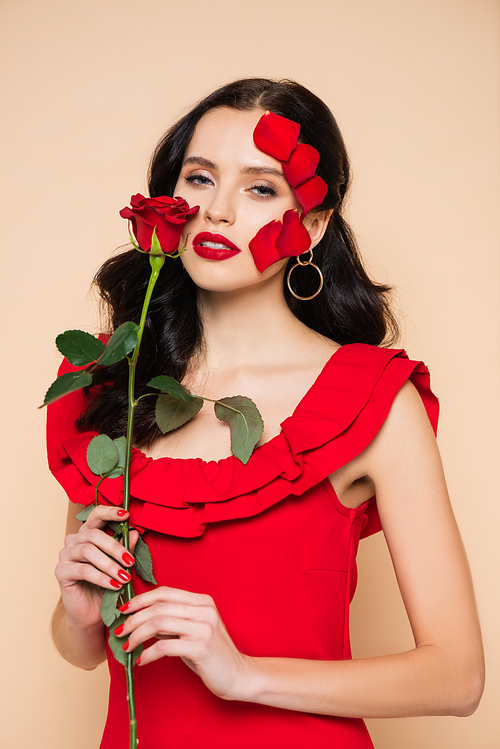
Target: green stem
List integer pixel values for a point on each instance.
(156, 265)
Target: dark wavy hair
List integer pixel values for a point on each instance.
(350, 308)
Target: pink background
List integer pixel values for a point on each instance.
(87, 89)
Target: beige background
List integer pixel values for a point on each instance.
(88, 86)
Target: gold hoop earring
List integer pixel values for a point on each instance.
(304, 262)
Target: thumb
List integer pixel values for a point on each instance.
(133, 538)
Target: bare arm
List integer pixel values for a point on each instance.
(443, 674)
(90, 560)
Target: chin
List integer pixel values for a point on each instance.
(224, 277)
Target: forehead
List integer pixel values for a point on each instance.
(226, 134)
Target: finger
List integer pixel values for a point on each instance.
(187, 649)
(70, 574)
(103, 514)
(168, 627)
(168, 611)
(166, 595)
(88, 552)
(103, 541)
(133, 538)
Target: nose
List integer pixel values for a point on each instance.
(220, 209)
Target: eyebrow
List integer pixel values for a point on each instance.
(200, 161)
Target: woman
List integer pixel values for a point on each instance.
(247, 632)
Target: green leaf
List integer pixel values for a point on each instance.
(109, 612)
(143, 562)
(121, 445)
(102, 455)
(133, 241)
(172, 413)
(245, 423)
(83, 514)
(78, 347)
(66, 383)
(120, 344)
(116, 643)
(155, 244)
(168, 385)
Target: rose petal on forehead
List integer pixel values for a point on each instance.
(294, 238)
(275, 135)
(263, 247)
(301, 165)
(311, 194)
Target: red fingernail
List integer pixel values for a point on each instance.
(125, 646)
(124, 575)
(119, 630)
(138, 661)
(128, 558)
(121, 513)
(115, 583)
(124, 607)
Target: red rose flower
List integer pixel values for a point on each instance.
(166, 215)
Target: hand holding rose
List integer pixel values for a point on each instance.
(185, 625)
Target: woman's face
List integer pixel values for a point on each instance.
(239, 189)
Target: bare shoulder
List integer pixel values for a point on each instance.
(406, 439)
(406, 426)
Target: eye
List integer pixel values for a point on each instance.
(198, 179)
(264, 191)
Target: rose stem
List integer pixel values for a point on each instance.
(156, 262)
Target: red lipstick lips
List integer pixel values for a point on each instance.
(214, 246)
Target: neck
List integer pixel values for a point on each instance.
(247, 325)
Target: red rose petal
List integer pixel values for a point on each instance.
(143, 232)
(169, 235)
(301, 165)
(136, 200)
(275, 135)
(164, 201)
(311, 193)
(263, 247)
(294, 238)
(126, 212)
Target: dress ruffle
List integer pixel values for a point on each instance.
(336, 420)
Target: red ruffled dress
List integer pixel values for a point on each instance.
(269, 541)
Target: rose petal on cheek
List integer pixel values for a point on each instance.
(275, 135)
(294, 238)
(302, 164)
(311, 194)
(263, 245)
